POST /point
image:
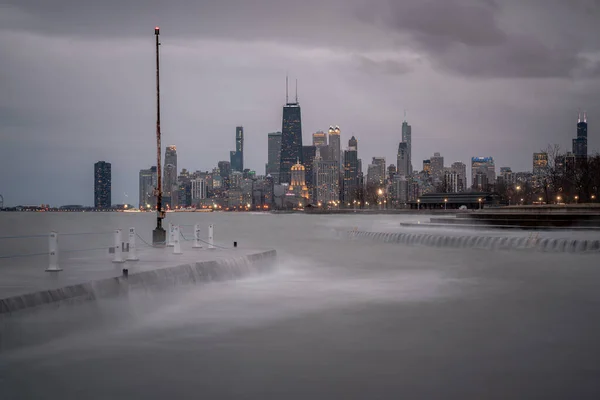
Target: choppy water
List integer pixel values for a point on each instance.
(340, 319)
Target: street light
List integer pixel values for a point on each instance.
(479, 200)
(445, 202)
(418, 204)
(159, 235)
(576, 199)
(558, 199)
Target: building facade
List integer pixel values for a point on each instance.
(274, 155)
(351, 170)
(540, 164)
(326, 180)
(170, 176)
(580, 142)
(319, 139)
(148, 183)
(291, 140)
(461, 170)
(407, 138)
(403, 160)
(308, 155)
(102, 185)
(236, 157)
(482, 166)
(437, 167)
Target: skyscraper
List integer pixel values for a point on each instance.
(437, 167)
(407, 138)
(308, 155)
(326, 179)
(274, 156)
(403, 160)
(334, 144)
(170, 175)
(225, 172)
(148, 181)
(540, 164)
(461, 171)
(102, 184)
(291, 138)
(580, 142)
(482, 166)
(376, 172)
(237, 156)
(319, 139)
(350, 190)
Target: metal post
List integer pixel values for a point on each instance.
(176, 244)
(210, 237)
(132, 250)
(53, 252)
(170, 236)
(159, 234)
(118, 250)
(197, 244)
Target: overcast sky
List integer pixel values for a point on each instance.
(497, 78)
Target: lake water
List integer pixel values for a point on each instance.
(341, 318)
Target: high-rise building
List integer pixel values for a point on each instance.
(403, 160)
(507, 175)
(319, 139)
(225, 172)
(308, 155)
(580, 142)
(437, 167)
(451, 182)
(291, 139)
(376, 172)
(350, 189)
(148, 182)
(274, 155)
(237, 156)
(483, 165)
(427, 166)
(540, 164)
(198, 190)
(102, 184)
(170, 176)
(391, 172)
(461, 171)
(334, 144)
(407, 138)
(297, 186)
(326, 180)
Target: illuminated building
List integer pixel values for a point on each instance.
(274, 155)
(461, 170)
(540, 164)
(237, 156)
(351, 167)
(427, 166)
(407, 138)
(297, 187)
(291, 138)
(326, 180)
(224, 171)
(580, 142)
(102, 185)
(170, 175)
(319, 139)
(198, 190)
(403, 160)
(334, 144)
(148, 182)
(485, 166)
(308, 154)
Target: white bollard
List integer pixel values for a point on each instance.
(210, 237)
(197, 244)
(176, 244)
(170, 235)
(118, 250)
(53, 252)
(132, 256)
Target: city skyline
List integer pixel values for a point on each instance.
(507, 110)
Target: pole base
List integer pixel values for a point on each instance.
(53, 269)
(159, 237)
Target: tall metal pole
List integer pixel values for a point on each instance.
(159, 234)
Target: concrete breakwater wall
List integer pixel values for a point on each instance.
(483, 242)
(157, 279)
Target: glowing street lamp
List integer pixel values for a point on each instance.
(479, 200)
(445, 202)
(576, 199)
(418, 204)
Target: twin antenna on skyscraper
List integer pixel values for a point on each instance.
(287, 100)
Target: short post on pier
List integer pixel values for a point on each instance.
(170, 235)
(53, 252)
(176, 243)
(118, 249)
(132, 249)
(211, 245)
(197, 244)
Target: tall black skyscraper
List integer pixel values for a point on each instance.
(580, 142)
(274, 156)
(237, 156)
(291, 138)
(102, 185)
(351, 172)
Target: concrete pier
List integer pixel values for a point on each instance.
(26, 285)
